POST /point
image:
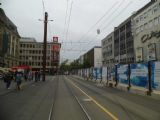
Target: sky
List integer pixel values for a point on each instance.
(75, 22)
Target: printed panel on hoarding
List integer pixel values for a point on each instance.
(112, 74)
(91, 73)
(155, 75)
(122, 73)
(99, 73)
(139, 75)
(94, 73)
(104, 73)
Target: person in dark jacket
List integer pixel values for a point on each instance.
(8, 77)
(36, 76)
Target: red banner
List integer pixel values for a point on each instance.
(56, 48)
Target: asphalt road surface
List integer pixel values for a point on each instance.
(70, 98)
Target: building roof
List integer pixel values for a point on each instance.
(28, 39)
(144, 7)
(8, 23)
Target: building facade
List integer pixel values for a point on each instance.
(31, 53)
(56, 55)
(94, 57)
(9, 42)
(123, 42)
(146, 31)
(108, 50)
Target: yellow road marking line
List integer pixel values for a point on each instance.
(98, 104)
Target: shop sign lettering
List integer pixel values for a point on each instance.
(147, 37)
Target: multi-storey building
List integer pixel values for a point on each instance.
(81, 60)
(108, 50)
(94, 57)
(123, 42)
(9, 42)
(146, 31)
(56, 55)
(31, 53)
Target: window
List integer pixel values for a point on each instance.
(156, 21)
(155, 9)
(137, 30)
(141, 17)
(150, 23)
(145, 15)
(149, 12)
(141, 28)
(146, 26)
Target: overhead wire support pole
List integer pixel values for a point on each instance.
(45, 45)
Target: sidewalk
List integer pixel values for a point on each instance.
(133, 89)
(3, 89)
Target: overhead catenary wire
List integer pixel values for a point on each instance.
(99, 20)
(111, 21)
(112, 13)
(69, 20)
(65, 21)
(116, 16)
(43, 8)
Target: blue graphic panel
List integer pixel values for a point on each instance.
(122, 74)
(139, 74)
(112, 74)
(104, 73)
(99, 73)
(155, 75)
(95, 73)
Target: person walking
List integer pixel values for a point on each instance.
(19, 75)
(39, 75)
(8, 77)
(30, 75)
(36, 76)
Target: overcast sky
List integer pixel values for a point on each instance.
(81, 19)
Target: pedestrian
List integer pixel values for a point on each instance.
(8, 77)
(36, 76)
(30, 75)
(39, 75)
(18, 75)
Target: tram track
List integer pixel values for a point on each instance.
(78, 101)
(51, 113)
